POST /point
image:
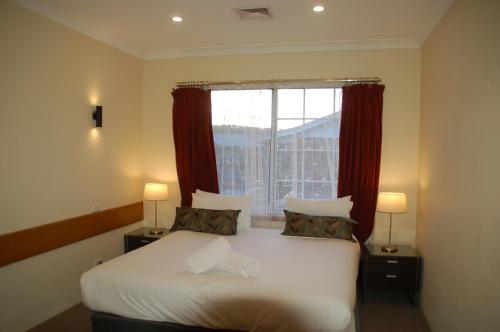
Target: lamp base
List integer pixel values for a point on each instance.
(390, 248)
(156, 231)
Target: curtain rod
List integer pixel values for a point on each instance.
(322, 80)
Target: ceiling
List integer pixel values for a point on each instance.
(211, 27)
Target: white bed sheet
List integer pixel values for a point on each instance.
(305, 284)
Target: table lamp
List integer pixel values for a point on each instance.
(391, 203)
(155, 192)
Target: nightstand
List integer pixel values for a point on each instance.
(140, 237)
(394, 272)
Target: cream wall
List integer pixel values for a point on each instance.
(399, 70)
(458, 223)
(53, 164)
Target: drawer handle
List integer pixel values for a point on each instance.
(391, 276)
(144, 241)
(392, 261)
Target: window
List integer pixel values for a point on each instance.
(271, 143)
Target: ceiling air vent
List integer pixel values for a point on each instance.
(260, 13)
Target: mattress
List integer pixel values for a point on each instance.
(305, 284)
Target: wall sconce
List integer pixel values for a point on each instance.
(97, 116)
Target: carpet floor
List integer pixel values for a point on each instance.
(380, 313)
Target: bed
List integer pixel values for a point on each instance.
(305, 284)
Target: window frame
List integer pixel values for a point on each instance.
(270, 214)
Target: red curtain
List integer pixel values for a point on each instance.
(360, 145)
(194, 142)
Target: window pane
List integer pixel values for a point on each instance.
(323, 137)
(289, 135)
(319, 102)
(338, 100)
(241, 122)
(318, 165)
(288, 165)
(313, 132)
(291, 103)
(307, 149)
(246, 108)
(318, 190)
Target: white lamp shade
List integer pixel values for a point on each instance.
(155, 192)
(392, 202)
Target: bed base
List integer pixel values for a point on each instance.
(103, 322)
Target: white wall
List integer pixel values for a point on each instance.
(458, 222)
(53, 164)
(399, 70)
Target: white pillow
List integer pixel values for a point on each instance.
(226, 202)
(321, 207)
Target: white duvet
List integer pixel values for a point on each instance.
(305, 284)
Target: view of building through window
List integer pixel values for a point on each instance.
(277, 142)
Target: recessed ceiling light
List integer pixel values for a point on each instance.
(318, 8)
(177, 19)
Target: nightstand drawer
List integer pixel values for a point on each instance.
(390, 282)
(392, 265)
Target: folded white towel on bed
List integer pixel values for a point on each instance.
(208, 256)
(240, 264)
